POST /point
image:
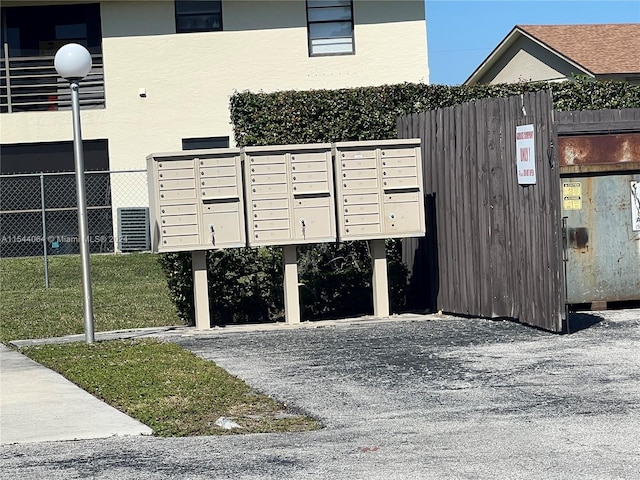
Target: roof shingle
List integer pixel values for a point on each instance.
(601, 49)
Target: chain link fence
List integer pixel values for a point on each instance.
(38, 213)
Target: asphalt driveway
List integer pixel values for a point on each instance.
(417, 397)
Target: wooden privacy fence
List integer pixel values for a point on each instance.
(493, 246)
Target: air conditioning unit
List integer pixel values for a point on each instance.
(133, 230)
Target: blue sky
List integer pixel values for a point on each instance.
(462, 33)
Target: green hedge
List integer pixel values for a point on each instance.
(245, 285)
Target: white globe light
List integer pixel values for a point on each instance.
(72, 61)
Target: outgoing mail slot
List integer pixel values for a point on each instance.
(173, 164)
(402, 196)
(312, 202)
(221, 207)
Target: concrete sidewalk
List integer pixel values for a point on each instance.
(39, 405)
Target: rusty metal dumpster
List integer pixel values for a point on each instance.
(600, 181)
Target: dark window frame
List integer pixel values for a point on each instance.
(309, 23)
(200, 143)
(178, 14)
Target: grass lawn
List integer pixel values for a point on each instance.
(162, 385)
(129, 291)
(167, 388)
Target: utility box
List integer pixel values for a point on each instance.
(196, 200)
(380, 191)
(290, 194)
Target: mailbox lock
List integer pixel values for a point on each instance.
(294, 178)
(253, 170)
(253, 180)
(392, 216)
(293, 167)
(163, 210)
(160, 175)
(203, 182)
(344, 175)
(160, 165)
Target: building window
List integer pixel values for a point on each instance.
(205, 143)
(330, 27)
(198, 16)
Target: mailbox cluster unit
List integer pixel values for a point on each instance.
(199, 199)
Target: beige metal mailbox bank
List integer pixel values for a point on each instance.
(379, 189)
(196, 200)
(290, 195)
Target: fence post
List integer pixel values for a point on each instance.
(44, 232)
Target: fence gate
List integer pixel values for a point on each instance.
(494, 243)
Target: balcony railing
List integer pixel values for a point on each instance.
(29, 84)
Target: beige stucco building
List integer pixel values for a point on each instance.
(164, 71)
(561, 52)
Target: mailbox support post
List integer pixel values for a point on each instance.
(291, 295)
(379, 280)
(200, 289)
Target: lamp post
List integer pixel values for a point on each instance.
(73, 63)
